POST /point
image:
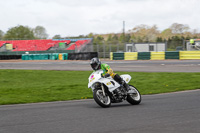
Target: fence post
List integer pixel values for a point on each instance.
(156, 46)
(97, 48)
(124, 47)
(104, 49)
(166, 45)
(183, 44)
(117, 47)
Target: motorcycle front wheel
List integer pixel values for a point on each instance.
(100, 99)
(134, 98)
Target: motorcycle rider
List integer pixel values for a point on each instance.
(107, 71)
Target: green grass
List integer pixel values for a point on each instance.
(30, 86)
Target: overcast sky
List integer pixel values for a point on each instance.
(80, 17)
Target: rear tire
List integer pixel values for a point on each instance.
(135, 98)
(103, 101)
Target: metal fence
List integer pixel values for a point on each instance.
(172, 45)
(104, 49)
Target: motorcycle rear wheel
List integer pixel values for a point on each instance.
(100, 99)
(135, 98)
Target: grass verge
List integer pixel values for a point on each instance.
(31, 86)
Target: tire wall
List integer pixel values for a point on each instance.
(182, 55)
(60, 56)
(172, 55)
(118, 56)
(144, 55)
(130, 55)
(157, 55)
(189, 55)
(10, 57)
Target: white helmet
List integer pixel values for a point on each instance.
(95, 63)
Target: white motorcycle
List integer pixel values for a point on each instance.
(107, 90)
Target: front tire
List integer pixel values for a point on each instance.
(134, 98)
(100, 99)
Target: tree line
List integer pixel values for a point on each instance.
(21, 32)
(140, 33)
(144, 33)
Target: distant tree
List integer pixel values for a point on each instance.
(115, 37)
(193, 34)
(40, 32)
(159, 39)
(19, 32)
(176, 38)
(98, 40)
(133, 38)
(1, 34)
(166, 34)
(179, 28)
(122, 37)
(57, 37)
(91, 35)
(127, 38)
(82, 36)
(109, 38)
(144, 33)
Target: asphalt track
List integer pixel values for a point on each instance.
(162, 113)
(129, 66)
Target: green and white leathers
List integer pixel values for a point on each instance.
(106, 69)
(96, 65)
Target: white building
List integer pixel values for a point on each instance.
(146, 47)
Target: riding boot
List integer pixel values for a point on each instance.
(118, 79)
(126, 85)
(129, 90)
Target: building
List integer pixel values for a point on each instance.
(146, 47)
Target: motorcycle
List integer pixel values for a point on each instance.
(106, 90)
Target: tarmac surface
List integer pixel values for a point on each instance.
(163, 113)
(129, 66)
